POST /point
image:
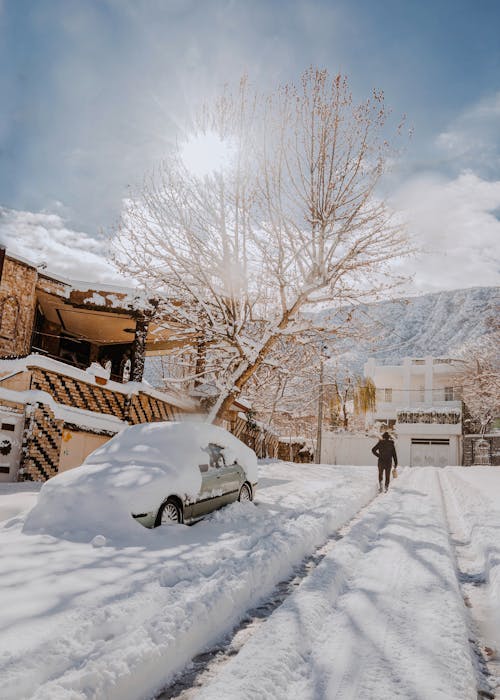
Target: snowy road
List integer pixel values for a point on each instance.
(381, 616)
(105, 623)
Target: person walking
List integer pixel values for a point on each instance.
(385, 451)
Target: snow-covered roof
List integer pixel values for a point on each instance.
(129, 295)
(19, 258)
(114, 297)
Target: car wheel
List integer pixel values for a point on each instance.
(170, 513)
(245, 494)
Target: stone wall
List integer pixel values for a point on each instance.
(17, 307)
(51, 285)
(144, 408)
(72, 392)
(469, 453)
(41, 444)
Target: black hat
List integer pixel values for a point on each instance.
(386, 436)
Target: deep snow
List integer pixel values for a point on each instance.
(381, 617)
(16, 498)
(107, 622)
(131, 473)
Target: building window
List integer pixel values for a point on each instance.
(388, 395)
(448, 393)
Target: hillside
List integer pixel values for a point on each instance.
(431, 324)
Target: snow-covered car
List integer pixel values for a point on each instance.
(224, 480)
(158, 473)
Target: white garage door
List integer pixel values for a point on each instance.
(430, 452)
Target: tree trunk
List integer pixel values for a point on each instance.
(246, 369)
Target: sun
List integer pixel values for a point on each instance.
(207, 153)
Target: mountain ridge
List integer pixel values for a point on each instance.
(436, 323)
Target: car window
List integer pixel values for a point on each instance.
(215, 455)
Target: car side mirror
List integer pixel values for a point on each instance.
(203, 468)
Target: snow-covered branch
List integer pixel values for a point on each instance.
(289, 216)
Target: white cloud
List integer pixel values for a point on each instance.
(43, 238)
(454, 224)
(472, 139)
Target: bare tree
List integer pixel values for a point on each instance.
(479, 377)
(289, 220)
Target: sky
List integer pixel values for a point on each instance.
(95, 91)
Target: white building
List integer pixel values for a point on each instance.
(420, 404)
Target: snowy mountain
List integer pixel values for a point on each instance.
(432, 324)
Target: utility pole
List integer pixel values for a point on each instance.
(320, 412)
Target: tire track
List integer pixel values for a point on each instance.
(470, 584)
(206, 665)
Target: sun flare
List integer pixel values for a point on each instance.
(205, 154)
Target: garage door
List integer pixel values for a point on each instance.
(76, 445)
(430, 453)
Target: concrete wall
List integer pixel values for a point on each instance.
(344, 448)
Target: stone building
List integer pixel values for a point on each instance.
(17, 305)
(57, 402)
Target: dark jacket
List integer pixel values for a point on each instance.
(386, 452)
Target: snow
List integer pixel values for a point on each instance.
(131, 473)
(10, 367)
(97, 370)
(431, 324)
(382, 616)
(16, 498)
(84, 621)
(90, 420)
(476, 500)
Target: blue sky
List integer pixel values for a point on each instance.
(93, 91)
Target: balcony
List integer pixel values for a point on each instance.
(435, 415)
